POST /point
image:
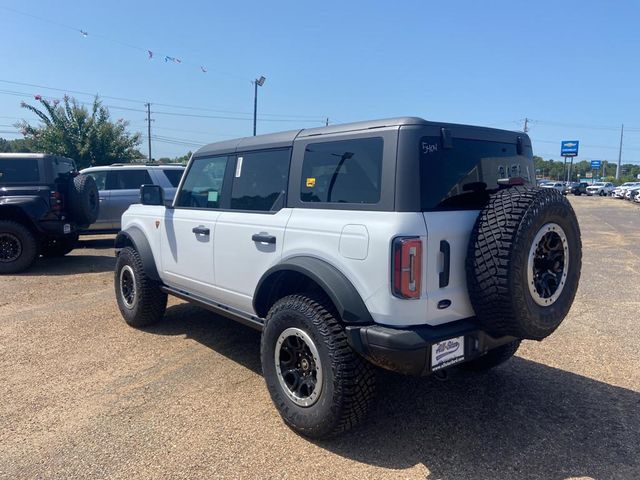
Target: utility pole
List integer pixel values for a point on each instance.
(620, 154)
(327, 123)
(526, 125)
(148, 105)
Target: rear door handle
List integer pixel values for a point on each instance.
(263, 238)
(200, 230)
(445, 249)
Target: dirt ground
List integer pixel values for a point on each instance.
(85, 396)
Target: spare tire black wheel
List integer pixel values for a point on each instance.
(84, 200)
(523, 262)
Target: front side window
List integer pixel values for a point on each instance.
(19, 170)
(346, 171)
(100, 178)
(128, 179)
(202, 187)
(260, 180)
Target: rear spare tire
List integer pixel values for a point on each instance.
(523, 262)
(84, 201)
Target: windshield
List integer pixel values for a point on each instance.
(598, 184)
(463, 176)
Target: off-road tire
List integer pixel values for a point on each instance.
(498, 256)
(148, 304)
(492, 358)
(348, 381)
(16, 239)
(59, 247)
(84, 200)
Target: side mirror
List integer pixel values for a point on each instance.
(151, 195)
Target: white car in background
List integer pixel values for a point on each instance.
(631, 193)
(600, 188)
(557, 185)
(619, 192)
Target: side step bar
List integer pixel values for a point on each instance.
(229, 312)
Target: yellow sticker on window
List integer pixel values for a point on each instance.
(311, 182)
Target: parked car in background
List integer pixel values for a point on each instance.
(557, 185)
(620, 191)
(119, 186)
(630, 193)
(600, 188)
(576, 188)
(44, 203)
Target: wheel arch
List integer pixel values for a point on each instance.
(135, 238)
(302, 273)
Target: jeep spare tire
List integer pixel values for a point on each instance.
(523, 262)
(84, 200)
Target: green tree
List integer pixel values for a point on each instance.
(86, 135)
(18, 145)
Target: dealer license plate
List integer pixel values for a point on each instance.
(446, 353)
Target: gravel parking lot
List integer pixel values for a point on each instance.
(85, 396)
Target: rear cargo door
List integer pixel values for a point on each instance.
(458, 173)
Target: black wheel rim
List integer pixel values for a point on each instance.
(298, 367)
(548, 264)
(127, 286)
(10, 247)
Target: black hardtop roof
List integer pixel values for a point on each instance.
(285, 139)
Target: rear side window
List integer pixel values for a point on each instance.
(346, 171)
(202, 187)
(62, 166)
(20, 170)
(128, 179)
(174, 175)
(260, 180)
(465, 175)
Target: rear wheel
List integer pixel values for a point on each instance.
(18, 247)
(139, 297)
(320, 386)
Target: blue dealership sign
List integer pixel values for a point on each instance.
(596, 164)
(569, 148)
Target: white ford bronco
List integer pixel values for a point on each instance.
(402, 243)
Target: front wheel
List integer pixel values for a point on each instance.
(139, 297)
(319, 385)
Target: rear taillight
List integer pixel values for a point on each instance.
(406, 266)
(56, 202)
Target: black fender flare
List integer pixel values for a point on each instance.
(136, 238)
(333, 282)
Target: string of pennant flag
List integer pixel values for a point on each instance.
(151, 54)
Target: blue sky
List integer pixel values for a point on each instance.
(572, 67)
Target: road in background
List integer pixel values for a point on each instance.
(85, 396)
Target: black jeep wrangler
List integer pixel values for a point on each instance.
(44, 201)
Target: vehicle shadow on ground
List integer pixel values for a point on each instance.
(522, 420)
(75, 264)
(96, 243)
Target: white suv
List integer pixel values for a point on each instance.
(405, 244)
(600, 188)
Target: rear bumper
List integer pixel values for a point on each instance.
(57, 227)
(409, 350)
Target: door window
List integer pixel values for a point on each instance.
(128, 179)
(203, 184)
(346, 171)
(260, 180)
(100, 178)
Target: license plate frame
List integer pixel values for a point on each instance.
(447, 352)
